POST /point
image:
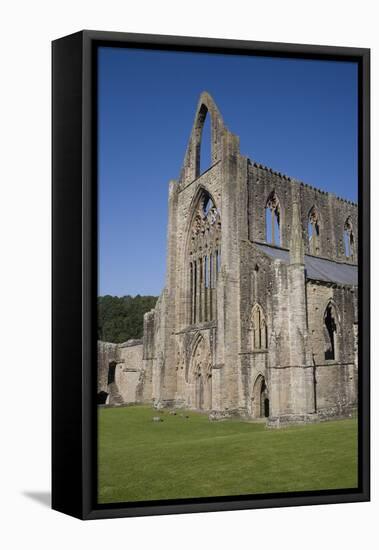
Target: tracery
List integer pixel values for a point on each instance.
(204, 260)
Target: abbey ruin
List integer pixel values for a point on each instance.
(259, 314)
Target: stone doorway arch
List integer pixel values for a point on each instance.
(260, 401)
(200, 377)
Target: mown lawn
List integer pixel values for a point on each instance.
(193, 457)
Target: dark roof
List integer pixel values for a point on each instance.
(317, 269)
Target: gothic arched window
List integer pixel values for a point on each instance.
(203, 259)
(331, 324)
(314, 231)
(348, 239)
(258, 328)
(273, 228)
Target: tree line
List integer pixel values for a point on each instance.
(121, 318)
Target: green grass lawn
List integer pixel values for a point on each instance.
(183, 458)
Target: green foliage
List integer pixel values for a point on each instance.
(194, 457)
(121, 318)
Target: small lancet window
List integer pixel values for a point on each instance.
(273, 233)
(211, 281)
(258, 328)
(348, 239)
(206, 271)
(330, 331)
(314, 232)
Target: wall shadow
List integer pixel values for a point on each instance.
(42, 497)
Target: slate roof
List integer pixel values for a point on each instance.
(317, 269)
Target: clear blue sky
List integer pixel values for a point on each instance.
(298, 117)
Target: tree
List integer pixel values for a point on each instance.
(121, 318)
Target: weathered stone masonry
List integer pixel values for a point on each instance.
(259, 312)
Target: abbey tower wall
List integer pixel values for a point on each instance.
(258, 316)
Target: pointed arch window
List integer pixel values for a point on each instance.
(314, 231)
(348, 239)
(273, 228)
(203, 260)
(331, 331)
(258, 328)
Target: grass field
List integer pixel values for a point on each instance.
(193, 457)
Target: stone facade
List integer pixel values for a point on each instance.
(121, 378)
(259, 314)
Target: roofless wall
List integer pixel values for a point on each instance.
(330, 223)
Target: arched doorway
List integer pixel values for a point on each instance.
(260, 402)
(200, 377)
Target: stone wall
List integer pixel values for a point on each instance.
(261, 349)
(336, 380)
(120, 373)
(131, 377)
(333, 211)
(106, 354)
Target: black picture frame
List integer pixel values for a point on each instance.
(74, 272)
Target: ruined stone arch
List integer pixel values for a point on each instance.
(273, 219)
(331, 331)
(260, 402)
(202, 259)
(199, 377)
(206, 106)
(349, 239)
(258, 328)
(314, 231)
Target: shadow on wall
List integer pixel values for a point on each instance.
(41, 497)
